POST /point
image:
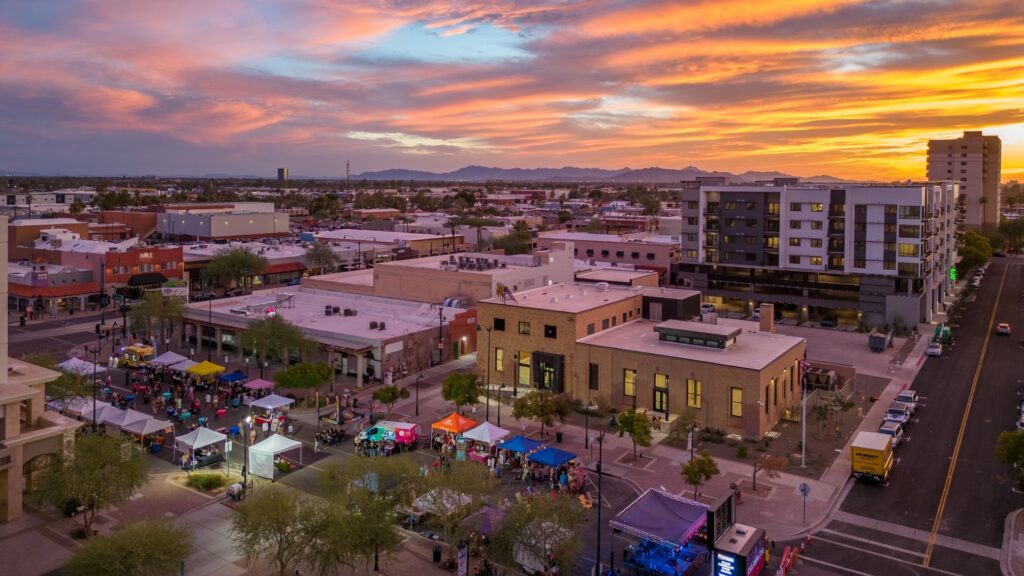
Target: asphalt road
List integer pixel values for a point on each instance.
(892, 529)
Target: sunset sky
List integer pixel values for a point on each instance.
(851, 89)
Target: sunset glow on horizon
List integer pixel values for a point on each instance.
(807, 87)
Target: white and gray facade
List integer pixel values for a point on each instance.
(882, 250)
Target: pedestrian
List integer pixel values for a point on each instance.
(291, 429)
(316, 445)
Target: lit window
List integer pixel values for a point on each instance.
(629, 382)
(693, 393)
(499, 359)
(524, 328)
(736, 402)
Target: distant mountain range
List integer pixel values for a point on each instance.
(651, 175)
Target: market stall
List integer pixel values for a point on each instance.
(665, 533)
(258, 384)
(200, 444)
(205, 368)
(77, 406)
(167, 359)
(274, 413)
(454, 423)
(484, 438)
(151, 432)
(449, 440)
(120, 418)
(183, 366)
(232, 377)
(520, 445)
(79, 366)
(264, 457)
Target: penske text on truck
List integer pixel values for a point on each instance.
(871, 456)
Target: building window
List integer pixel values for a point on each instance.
(634, 255)
(815, 260)
(169, 265)
(730, 205)
(909, 231)
(890, 209)
(794, 241)
(771, 242)
(693, 393)
(524, 368)
(624, 317)
(815, 225)
(650, 255)
(604, 253)
(773, 208)
(660, 393)
(909, 211)
(590, 251)
(816, 243)
(909, 250)
(817, 207)
(794, 224)
(620, 254)
(550, 331)
(775, 392)
(499, 359)
(794, 259)
(889, 265)
(859, 263)
(736, 402)
(590, 328)
(691, 253)
(592, 377)
(605, 323)
(794, 206)
(750, 240)
(524, 328)
(629, 382)
(499, 324)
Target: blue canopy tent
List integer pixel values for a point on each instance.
(551, 456)
(520, 444)
(235, 376)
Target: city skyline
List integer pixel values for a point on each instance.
(850, 89)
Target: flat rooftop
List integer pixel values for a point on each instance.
(573, 298)
(613, 275)
(753, 350)
(206, 251)
(304, 307)
(52, 222)
(375, 236)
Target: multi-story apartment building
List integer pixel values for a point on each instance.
(974, 160)
(883, 251)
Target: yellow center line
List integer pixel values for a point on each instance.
(963, 427)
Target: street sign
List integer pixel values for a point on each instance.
(805, 489)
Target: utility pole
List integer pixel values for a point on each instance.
(440, 333)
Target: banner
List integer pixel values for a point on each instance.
(177, 288)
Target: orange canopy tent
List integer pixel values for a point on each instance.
(455, 423)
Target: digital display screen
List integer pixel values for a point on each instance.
(726, 564)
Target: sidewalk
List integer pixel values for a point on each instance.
(1013, 544)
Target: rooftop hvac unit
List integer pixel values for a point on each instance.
(373, 324)
(504, 265)
(337, 310)
(327, 310)
(382, 326)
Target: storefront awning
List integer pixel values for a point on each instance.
(146, 279)
(284, 267)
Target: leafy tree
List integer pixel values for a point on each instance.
(148, 548)
(67, 386)
(305, 375)
(1012, 232)
(77, 207)
(651, 204)
(478, 223)
(423, 202)
(974, 250)
(276, 524)
(389, 395)
(100, 472)
(235, 265)
(461, 389)
(543, 406)
(1010, 450)
(156, 309)
(594, 226)
(323, 206)
(397, 477)
(319, 256)
(638, 426)
(538, 526)
(360, 525)
(771, 466)
(564, 216)
(275, 338)
(454, 494)
(699, 470)
(517, 241)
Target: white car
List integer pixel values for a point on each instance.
(756, 314)
(934, 349)
(910, 398)
(894, 429)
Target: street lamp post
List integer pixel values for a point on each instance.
(612, 424)
(487, 372)
(209, 350)
(515, 375)
(418, 378)
(586, 425)
(245, 442)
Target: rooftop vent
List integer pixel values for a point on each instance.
(373, 325)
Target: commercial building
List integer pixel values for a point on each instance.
(125, 264)
(285, 262)
(467, 277)
(365, 214)
(881, 253)
(360, 335)
(30, 437)
(238, 220)
(398, 242)
(26, 230)
(282, 175)
(38, 288)
(974, 161)
(615, 276)
(644, 251)
(639, 348)
(57, 201)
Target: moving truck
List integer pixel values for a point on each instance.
(871, 456)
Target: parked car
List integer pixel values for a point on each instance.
(976, 282)
(898, 412)
(894, 429)
(934, 349)
(707, 308)
(999, 254)
(1003, 328)
(829, 322)
(756, 315)
(204, 295)
(910, 398)
(236, 291)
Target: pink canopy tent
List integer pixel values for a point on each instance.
(259, 384)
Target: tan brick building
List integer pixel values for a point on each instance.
(637, 347)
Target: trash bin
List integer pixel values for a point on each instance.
(558, 437)
(437, 554)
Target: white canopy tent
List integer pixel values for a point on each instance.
(271, 402)
(441, 501)
(121, 418)
(79, 366)
(80, 406)
(199, 438)
(168, 359)
(487, 433)
(183, 365)
(147, 426)
(261, 456)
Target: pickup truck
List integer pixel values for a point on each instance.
(898, 412)
(910, 398)
(871, 457)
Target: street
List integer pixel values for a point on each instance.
(944, 507)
